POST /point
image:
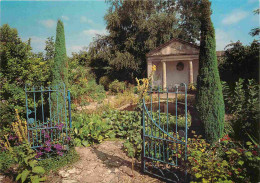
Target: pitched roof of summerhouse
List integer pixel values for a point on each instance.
(195, 48)
(169, 42)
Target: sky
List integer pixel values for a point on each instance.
(232, 19)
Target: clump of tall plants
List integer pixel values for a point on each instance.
(242, 102)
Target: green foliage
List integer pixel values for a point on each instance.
(19, 67)
(104, 81)
(243, 103)
(56, 162)
(117, 87)
(6, 160)
(28, 169)
(225, 161)
(82, 85)
(59, 70)
(240, 61)
(90, 129)
(50, 49)
(93, 128)
(135, 28)
(255, 31)
(127, 125)
(209, 98)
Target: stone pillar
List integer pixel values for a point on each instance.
(164, 84)
(149, 70)
(190, 72)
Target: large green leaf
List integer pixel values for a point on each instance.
(38, 170)
(24, 175)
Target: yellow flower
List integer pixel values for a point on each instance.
(154, 68)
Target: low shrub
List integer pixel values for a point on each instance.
(104, 81)
(127, 97)
(28, 169)
(225, 161)
(56, 162)
(117, 87)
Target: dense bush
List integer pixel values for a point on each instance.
(243, 103)
(82, 84)
(117, 87)
(104, 81)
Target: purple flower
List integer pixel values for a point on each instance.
(60, 153)
(60, 126)
(43, 131)
(58, 147)
(68, 138)
(39, 154)
(47, 136)
(48, 143)
(11, 137)
(47, 149)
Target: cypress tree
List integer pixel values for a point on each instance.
(60, 67)
(209, 97)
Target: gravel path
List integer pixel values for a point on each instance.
(104, 163)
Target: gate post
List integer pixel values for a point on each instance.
(142, 136)
(69, 109)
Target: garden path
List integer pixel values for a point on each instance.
(102, 163)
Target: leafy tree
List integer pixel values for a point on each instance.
(209, 97)
(135, 28)
(49, 48)
(19, 67)
(255, 31)
(189, 22)
(60, 67)
(240, 61)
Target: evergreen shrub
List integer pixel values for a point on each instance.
(209, 97)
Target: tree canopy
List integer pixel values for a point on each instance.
(19, 67)
(135, 28)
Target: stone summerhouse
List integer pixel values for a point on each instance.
(176, 61)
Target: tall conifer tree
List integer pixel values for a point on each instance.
(209, 97)
(60, 67)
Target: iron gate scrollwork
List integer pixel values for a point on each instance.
(51, 114)
(164, 142)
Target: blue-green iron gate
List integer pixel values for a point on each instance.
(48, 113)
(164, 142)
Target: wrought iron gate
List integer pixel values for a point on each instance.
(51, 114)
(164, 142)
